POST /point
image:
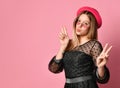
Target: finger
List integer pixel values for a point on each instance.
(106, 56)
(61, 37)
(61, 34)
(65, 30)
(101, 57)
(108, 50)
(105, 48)
(62, 30)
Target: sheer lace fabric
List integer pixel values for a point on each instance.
(92, 48)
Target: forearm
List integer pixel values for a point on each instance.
(101, 71)
(60, 54)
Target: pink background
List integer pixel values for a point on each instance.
(29, 39)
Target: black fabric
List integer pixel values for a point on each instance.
(54, 66)
(81, 61)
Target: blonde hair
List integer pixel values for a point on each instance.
(92, 34)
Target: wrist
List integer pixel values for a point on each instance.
(101, 71)
(62, 49)
(59, 54)
(101, 68)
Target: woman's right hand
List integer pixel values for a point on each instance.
(64, 38)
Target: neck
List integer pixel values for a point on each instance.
(83, 39)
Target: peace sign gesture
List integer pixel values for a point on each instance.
(103, 57)
(64, 38)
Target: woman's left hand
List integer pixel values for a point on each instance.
(103, 57)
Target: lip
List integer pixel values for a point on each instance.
(78, 30)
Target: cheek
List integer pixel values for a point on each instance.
(86, 27)
(85, 30)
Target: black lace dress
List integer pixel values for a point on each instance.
(80, 62)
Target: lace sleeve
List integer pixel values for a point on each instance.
(96, 49)
(105, 78)
(95, 52)
(55, 66)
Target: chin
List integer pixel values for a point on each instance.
(78, 33)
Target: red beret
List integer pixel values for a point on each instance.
(94, 12)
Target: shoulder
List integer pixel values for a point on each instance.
(97, 44)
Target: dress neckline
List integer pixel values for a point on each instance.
(85, 42)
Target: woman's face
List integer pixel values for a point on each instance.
(82, 25)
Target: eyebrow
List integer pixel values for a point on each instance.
(84, 21)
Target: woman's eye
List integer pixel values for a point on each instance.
(86, 23)
(78, 21)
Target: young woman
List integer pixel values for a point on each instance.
(82, 57)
